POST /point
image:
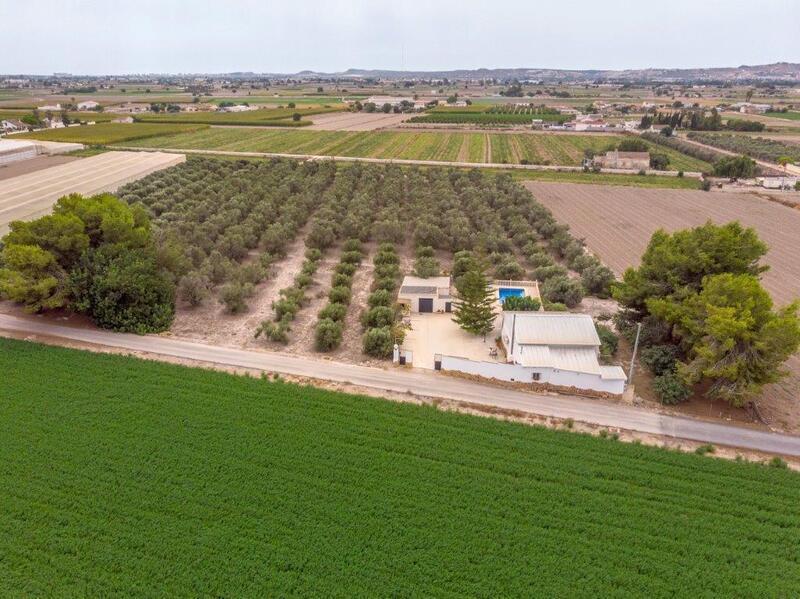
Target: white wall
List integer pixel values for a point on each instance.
(524, 374)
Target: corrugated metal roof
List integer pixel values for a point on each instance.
(614, 373)
(554, 329)
(573, 359)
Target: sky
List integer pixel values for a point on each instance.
(215, 36)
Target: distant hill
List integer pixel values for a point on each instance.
(779, 71)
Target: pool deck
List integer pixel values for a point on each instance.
(530, 289)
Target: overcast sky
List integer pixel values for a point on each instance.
(171, 36)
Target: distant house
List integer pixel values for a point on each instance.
(626, 160)
(426, 295)
(777, 182)
(13, 126)
(51, 108)
(123, 119)
(88, 105)
(558, 348)
(750, 108)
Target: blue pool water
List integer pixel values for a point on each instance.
(504, 292)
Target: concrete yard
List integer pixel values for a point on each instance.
(31, 195)
(432, 334)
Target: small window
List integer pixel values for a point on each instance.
(535, 376)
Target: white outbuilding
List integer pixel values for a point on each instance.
(432, 294)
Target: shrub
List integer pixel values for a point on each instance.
(705, 185)
(303, 280)
(313, 255)
(353, 245)
(249, 274)
(737, 167)
(345, 268)
(340, 280)
(389, 284)
(285, 307)
(564, 290)
(328, 334)
(659, 161)
(234, 296)
(660, 359)
(193, 288)
(426, 267)
(351, 257)
(609, 342)
(274, 331)
(543, 273)
(333, 311)
(597, 280)
(540, 260)
(425, 251)
(510, 270)
(379, 316)
(379, 297)
(671, 389)
(632, 144)
(523, 303)
(555, 307)
(379, 342)
(384, 257)
(387, 271)
(339, 295)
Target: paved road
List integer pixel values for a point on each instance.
(403, 161)
(429, 384)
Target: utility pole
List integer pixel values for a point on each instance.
(635, 350)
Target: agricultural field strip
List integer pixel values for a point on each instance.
(424, 384)
(109, 133)
(471, 454)
(558, 149)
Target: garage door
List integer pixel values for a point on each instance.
(426, 304)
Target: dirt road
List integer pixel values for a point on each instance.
(427, 384)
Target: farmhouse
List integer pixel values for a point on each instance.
(50, 107)
(426, 295)
(777, 182)
(12, 126)
(88, 105)
(558, 348)
(617, 159)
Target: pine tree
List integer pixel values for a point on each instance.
(474, 308)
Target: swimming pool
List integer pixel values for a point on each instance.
(504, 292)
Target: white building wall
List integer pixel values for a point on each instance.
(524, 374)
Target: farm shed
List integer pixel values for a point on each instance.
(426, 295)
(560, 349)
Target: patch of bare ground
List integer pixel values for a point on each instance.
(31, 165)
(301, 335)
(568, 425)
(463, 151)
(211, 323)
(487, 147)
(617, 223)
(351, 348)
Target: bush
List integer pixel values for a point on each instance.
(659, 161)
(333, 311)
(285, 307)
(340, 280)
(345, 268)
(509, 270)
(339, 295)
(387, 283)
(328, 334)
(379, 297)
(384, 257)
(379, 342)
(274, 331)
(705, 185)
(193, 288)
(234, 296)
(303, 280)
(660, 359)
(425, 251)
(387, 271)
(564, 290)
(353, 245)
(736, 167)
(597, 280)
(543, 273)
(426, 267)
(352, 258)
(671, 389)
(521, 304)
(609, 342)
(379, 316)
(632, 144)
(555, 307)
(313, 255)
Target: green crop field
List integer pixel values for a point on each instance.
(261, 117)
(110, 133)
(790, 115)
(513, 148)
(128, 478)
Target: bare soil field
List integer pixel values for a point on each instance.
(617, 223)
(356, 121)
(23, 167)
